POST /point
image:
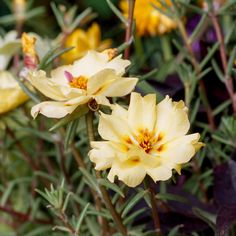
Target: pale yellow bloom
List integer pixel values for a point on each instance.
(11, 95)
(146, 139)
(149, 21)
(82, 41)
(95, 76)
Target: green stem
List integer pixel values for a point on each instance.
(197, 69)
(128, 33)
(115, 215)
(155, 215)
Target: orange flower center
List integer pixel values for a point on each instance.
(79, 82)
(146, 140)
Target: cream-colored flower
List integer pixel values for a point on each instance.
(146, 139)
(11, 95)
(95, 76)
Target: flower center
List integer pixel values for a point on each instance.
(79, 82)
(146, 140)
(76, 82)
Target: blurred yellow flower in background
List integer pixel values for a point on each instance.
(95, 76)
(145, 139)
(149, 21)
(84, 41)
(11, 95)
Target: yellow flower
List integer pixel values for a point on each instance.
(84, 41)
(11, 95)
(95, 76)
(149, 21)
(146, 139)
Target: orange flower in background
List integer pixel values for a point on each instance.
(84, 41)
(149, 21)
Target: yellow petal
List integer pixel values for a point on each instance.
(113, 128)
(94, 36)
(180, 150)
(93, 62)
(118, 110)
(142, 111)
(172, 119)
(52, 109)
(46, 86)
(160, 173)
(100, 81)
(120, 87)
(102, 155)
(131, 175)
(11, 98)
(11, 95)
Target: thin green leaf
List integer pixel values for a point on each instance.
(91, 180)
(111, 186)
(58, 15)
(117, 12)
(218, 70)
(79, 18)
(70, 132)
(82, 215)
(231, 61)
(132, 201)
(209, 218)
(209, 55)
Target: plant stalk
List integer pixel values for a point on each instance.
(115, 215)
(129, 27)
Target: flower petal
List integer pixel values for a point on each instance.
(93, 62)
(113, 128)
(181, 150)
(142, 111)
(120, 87)
(45, 85)
(102, 155)
(52, 109)
(160, 173)
(172, 119)
(131, 174)
(100, 81)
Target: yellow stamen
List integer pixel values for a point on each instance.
(28, 45)
(146, 140)
(79, 82)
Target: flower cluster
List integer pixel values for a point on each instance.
(146, 139)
